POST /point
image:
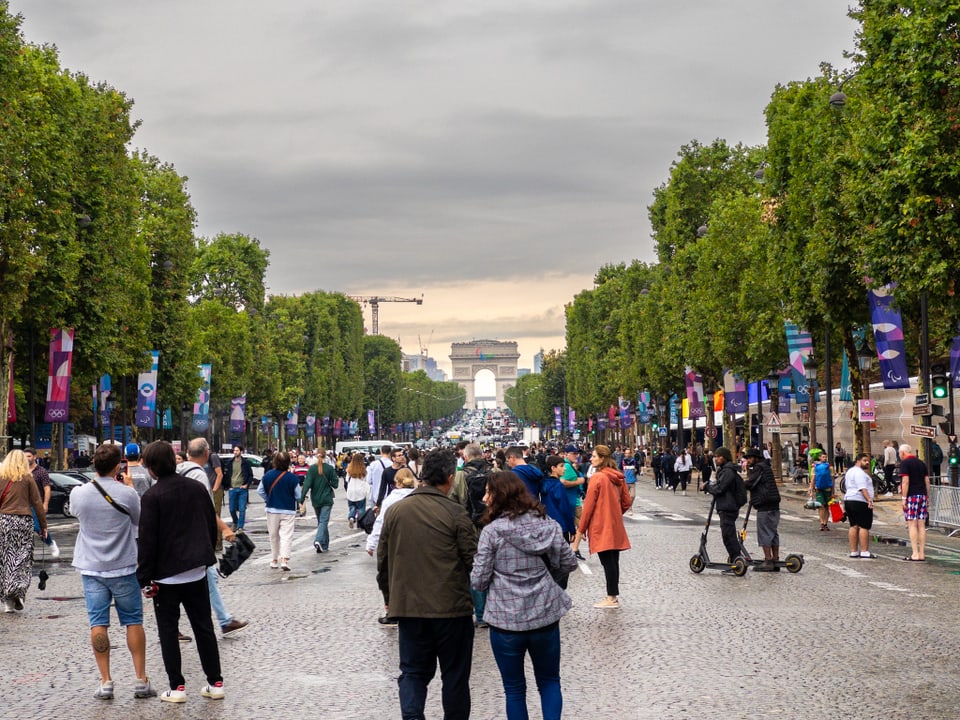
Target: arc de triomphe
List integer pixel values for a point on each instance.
(499, 357)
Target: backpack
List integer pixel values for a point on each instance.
(476, 481)
(821, 476)
(739, 490)
(365, 522)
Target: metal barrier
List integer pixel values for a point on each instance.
(945, 507)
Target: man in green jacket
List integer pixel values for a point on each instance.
(320, 481)
(424, 558)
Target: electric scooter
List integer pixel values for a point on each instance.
(792, 562)
(701, 561)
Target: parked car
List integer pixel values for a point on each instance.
(61, 485)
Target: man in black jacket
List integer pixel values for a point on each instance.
(178, 530)
(727, 486)
(765, 499)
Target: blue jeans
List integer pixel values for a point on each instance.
(238, 506)
(543, 645)
(216, 602)
(356, 508)
(323, 518)
(479, 602)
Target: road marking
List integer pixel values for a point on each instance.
(584, 568)
(843, 570)
(265, 560)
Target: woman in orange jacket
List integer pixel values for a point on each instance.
(606, 501)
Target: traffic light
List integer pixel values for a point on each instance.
(938, 382)
(954, 456)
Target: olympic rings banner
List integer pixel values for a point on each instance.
(147, 393)
(201, 408)
(58, 381)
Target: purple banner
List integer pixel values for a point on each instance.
(734, 394)
(146, 415)
(293, 417)
(601, 423)
(571, 419)
(372, 421)
(201, 408)
(888, 336)
(695, 406)
(58, 380)
(311, 426)
(265, 424)
(954, 362)
(557, 421)
(238, 412)
(784, 404)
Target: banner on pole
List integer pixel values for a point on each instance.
(694, 383)
(238, 415)
(201, 408)
(146, 415)
(888, 336)
(58, 380)
(734, 394)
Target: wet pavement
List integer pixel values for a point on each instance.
(841, 638)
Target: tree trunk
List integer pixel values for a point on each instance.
(6, 352)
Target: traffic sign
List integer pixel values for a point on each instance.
(711, 432)
(922, 399)
(773, 422)
(663, 432)
(927, 431)
(923, 409)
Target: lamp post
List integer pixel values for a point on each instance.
(776, 458)
(865, 363)
(810, 373)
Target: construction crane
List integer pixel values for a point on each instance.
(374, 302)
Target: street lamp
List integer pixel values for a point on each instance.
(865, 363)
(776, 459)
(810, 373)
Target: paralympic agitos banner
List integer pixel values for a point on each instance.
(238, 412)
(888, 336)
(58, 380)
(147, 393)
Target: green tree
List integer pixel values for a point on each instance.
(382, 357)
(231, 269)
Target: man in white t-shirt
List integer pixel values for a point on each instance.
(375, 470)
(858, 502)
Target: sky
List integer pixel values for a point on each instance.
(490, 155)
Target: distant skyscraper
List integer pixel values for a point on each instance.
(538, 362)
(522, 371)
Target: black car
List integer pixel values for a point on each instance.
(61, 485)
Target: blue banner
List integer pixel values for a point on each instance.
(846, 394)
(888, 336)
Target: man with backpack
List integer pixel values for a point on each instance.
(472, 479)
(821, 487)
(731, 494)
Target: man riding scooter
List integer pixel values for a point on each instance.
(765, 499)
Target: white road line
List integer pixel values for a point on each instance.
(584, 568)
(843, 570)
(308, 537)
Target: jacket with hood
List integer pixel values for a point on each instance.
(532, 478)
(606, 501)
(760, 481)
(511, 565)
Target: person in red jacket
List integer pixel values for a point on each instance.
(606, 501)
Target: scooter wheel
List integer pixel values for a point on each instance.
(696, 564)
(793, 563)
(739, 567)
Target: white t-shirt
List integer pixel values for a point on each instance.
(857, 479)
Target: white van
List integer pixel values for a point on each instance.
(367, 447)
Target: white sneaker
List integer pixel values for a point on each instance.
(274, 564)
(174, 696)
(54, 549)
(214, 692)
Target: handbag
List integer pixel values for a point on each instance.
(235, 554)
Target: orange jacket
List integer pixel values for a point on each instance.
(606, 501)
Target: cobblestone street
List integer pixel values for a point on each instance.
(683, 645)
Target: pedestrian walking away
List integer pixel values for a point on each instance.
(821, 489)
(858, 502)
(19, 499)
(320, 483)
(106, 557)
(605, 503)
(358, 489)
(428, 590)
(178, 531)
(279, 488)
(915, 489)
(518, 547)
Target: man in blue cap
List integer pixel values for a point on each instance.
(136, 476)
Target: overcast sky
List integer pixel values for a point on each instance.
(489, 154)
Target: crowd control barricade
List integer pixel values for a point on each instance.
(945, 508)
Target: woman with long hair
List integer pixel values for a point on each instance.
(518, 547)
(18, 493)
(414, 462)
(606, 501)
(358, 489)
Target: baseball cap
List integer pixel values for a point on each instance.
(132, 450)
(571, 448)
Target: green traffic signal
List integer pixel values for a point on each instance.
(938, 382)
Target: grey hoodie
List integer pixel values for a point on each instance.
(510, 566)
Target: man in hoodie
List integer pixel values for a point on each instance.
(530, 474)
(727, 486)
(554, 496)
(765, 500)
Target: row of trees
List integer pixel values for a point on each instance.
(857, 187)
(101, 240)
